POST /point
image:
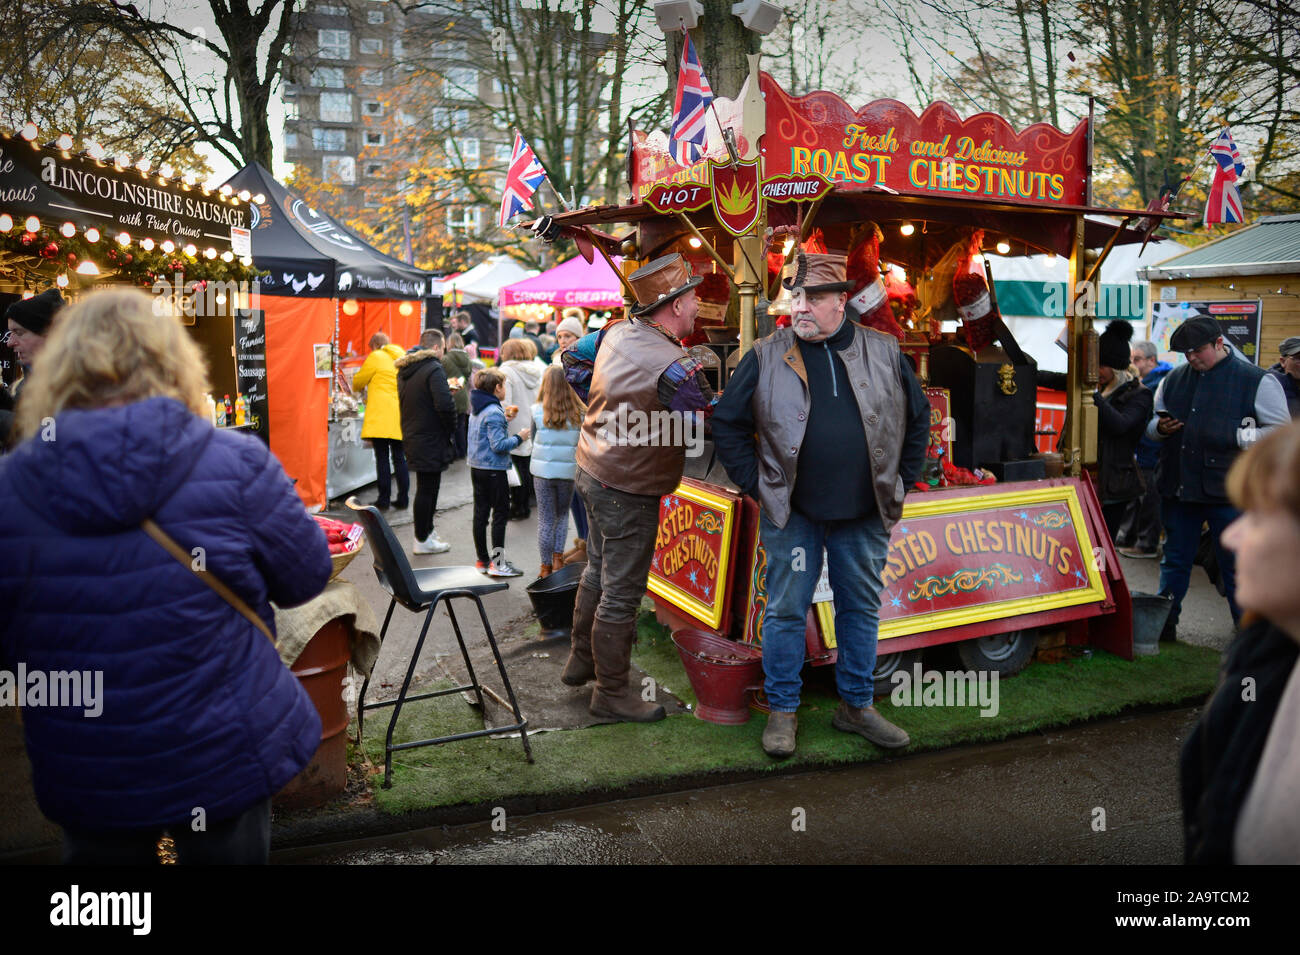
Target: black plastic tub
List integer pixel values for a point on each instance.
(552, 597)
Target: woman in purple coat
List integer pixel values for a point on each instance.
(173, 711)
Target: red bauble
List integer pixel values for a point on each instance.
(30, 238)
(72, 259)
(50, 251)
(130, 258)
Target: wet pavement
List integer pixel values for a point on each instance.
(1102, 793)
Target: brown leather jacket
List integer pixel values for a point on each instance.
(629, 439)
(782, 402)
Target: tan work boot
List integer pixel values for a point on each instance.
(580, 667)
(869, 724)
(612, 697)
(544, 572)
(557, 561)
(778, 736)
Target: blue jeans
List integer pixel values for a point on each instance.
(855, 555)
(1182, 537)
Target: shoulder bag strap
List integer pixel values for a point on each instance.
(226, 594)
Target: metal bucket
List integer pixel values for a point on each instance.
(723, 674)
(1150, 611)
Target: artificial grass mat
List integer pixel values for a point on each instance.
(615, 757)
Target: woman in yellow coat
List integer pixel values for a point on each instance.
(383, 422)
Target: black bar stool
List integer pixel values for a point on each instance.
(417, 590)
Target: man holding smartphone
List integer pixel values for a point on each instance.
(1206, 412)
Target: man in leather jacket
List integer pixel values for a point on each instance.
(825, 424)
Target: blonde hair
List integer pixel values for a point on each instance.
(1267, 476)
(518, 349)
(113, 348)
(561, 407)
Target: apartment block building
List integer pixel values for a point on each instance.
(364, 72)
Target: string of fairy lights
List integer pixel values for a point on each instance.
(40, 252)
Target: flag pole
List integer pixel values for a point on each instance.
(627, 286)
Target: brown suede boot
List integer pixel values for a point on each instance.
(580, 667)
(557, 561)
(577, 554)
(613, 697)
(544, 572)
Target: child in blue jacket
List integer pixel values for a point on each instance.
(489, 459)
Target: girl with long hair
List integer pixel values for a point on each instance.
(557, 422)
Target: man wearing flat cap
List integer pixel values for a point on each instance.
(1206, 412)
(642, 376)
(825, 425)
(1287, 373)
(28, 322)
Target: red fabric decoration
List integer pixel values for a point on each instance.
(870, 298)
(970, 292)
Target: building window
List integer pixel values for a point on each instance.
(497, 86)
(374, 139)
(374, 16)
(329, 76)
(336, 107)
(339, 169)
(460, 82)
(290, 141)
(463, 220)
(370, 46)
(462, 150)
(450, 49)
(329, 140)
(502, 152)
(330, 10)
(372, 77)
(291, 112)
(374, 169)
(372, 107)
(500, 121)
(334, 44)
(450, 120)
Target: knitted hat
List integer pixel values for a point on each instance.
(1115, 351)
(36, 313)
(572, 326)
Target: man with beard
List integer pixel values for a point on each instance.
(825, 425)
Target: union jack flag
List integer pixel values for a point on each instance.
(686, 139)
(522, 180)
(1224, 202)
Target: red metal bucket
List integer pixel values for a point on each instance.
(320, 668)
(722, 673)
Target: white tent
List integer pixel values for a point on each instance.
(485, 280)
(1032, 295)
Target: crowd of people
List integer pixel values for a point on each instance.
(137, 475)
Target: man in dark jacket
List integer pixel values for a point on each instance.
(1287, 373)
(1206, 411)
(428, 432)
(1139, 535)
(28, 322)
(1123, 411)
(825, 424)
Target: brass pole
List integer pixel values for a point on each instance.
(708, 247)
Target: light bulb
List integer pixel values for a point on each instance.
(87, 267)
(92, 234)
(168, 246)
(64, 142)
(1004, 247)
(209, 253)
(166, 171)
(122, 160)
(693, 242)
(6, 222)
(246, 262)
(29, 131)
(68, 230)
(143, 165)
(227, 256)
(907, 228)
(123, 238)
(221, 298)
(191, 249)
(147, 244)
(62, 280)
(32, 224)
(226, 189)
(245, 194)
(95, 151)
(259, 198)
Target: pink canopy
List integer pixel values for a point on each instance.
(575, 282)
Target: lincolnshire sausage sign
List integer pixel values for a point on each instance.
(58, 187)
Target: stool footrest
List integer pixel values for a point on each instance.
(421, 696)
(512, 728)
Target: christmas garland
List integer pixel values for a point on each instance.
(46, 254)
